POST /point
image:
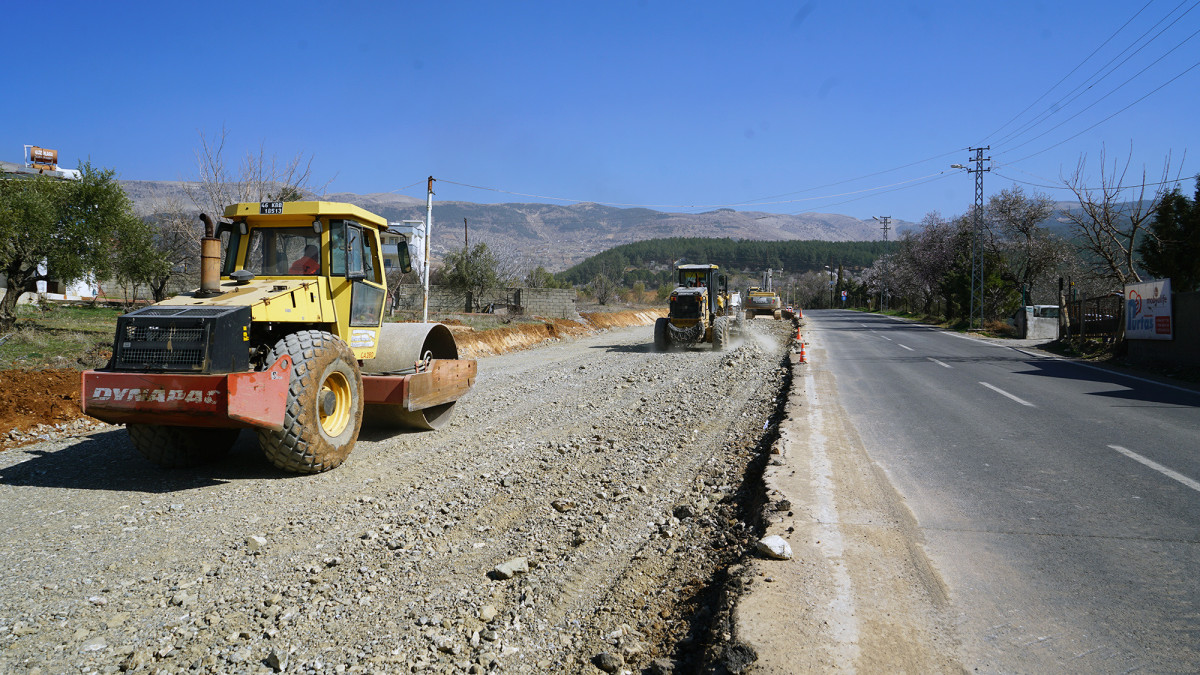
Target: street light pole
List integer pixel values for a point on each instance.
(428, 236)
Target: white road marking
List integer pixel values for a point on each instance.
(998, 390)
(944, 365)
(906, 347)
(1170, 473)
(886, 338)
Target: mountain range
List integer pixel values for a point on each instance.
(558, 236)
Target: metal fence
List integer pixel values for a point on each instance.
(1102, 317)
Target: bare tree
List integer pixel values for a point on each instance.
(1112, 215)
(603, 288)
(511, 265)
(259, 178)
(177, 239)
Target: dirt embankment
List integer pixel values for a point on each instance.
(517, 336)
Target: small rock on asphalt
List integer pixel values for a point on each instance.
(775, 547)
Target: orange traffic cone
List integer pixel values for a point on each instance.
(800, 312)
(803, 354)
(797, 332)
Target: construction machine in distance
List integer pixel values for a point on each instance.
(760, 301)
(700, 310)
(286, 337)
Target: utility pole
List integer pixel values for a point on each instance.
(466, 243)
(977, 239)
(884, 221)
(428, 233)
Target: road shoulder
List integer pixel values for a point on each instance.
(858, 593)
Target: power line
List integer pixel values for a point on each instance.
(1062, 187)
(941, 176)
(1088, 83)
(1147, 95)
(1064, 77)
(1110, 93)
(851, 180)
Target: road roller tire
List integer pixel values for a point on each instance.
(324, 404)
(181, 447)
(720, 333)
(662, 335)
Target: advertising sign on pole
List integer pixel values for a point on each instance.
(1148, 310)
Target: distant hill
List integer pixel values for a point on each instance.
(560, 236)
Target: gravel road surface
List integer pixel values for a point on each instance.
(575, 517)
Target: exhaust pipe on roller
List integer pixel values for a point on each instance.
(210, 260)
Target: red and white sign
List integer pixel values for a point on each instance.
(1148, 310)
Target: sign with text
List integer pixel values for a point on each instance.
(1148, 310)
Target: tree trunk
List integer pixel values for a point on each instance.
(18, 283)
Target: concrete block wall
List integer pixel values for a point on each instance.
(558, 303)
(440, 299)
(1184, 350)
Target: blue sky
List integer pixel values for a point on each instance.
(680, 106)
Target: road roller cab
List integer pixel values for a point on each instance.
(286, 335)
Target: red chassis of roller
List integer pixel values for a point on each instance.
(254, 399)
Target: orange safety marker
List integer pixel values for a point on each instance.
(800, 312)
(803, 354)
(797, 332)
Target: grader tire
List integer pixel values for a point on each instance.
(662, 335)
(720, 330)
(181, 447)
(324, 404)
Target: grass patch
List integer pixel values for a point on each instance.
(59, 336)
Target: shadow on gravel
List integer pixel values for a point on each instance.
(108, 461)
(626, 349)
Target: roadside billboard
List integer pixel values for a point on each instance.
(1148, 310)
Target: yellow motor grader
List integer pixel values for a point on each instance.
(700, 310)
(284, 336)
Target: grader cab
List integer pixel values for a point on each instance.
(700, 310)
(285, 336)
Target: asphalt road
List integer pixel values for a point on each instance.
(1059, 502)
